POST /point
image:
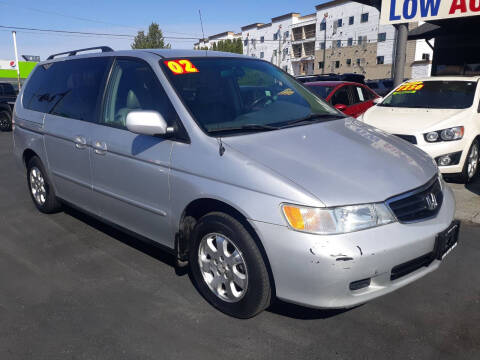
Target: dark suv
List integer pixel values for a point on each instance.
(8, 95)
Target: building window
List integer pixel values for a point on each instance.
(274, 52)
(382, 37)
(320, 64)
(339, 43)
(426, 56)
(350, 42)
(362, 40)
(262, 39)
(275, 36)
(337, 64)
(339, 23)
(261, 54)
(349, 62)
(358, 61)
(380, 60)
(351, 20)
(322, 45)
(245, 42)
(323, 26)
(364, 18)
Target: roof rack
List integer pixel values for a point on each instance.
(74, 52)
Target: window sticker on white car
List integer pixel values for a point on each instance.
(409, 88)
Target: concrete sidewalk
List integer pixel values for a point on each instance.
(468, 201)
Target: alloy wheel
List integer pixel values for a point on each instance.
(223, 267)
(472, 161)
(37, 186)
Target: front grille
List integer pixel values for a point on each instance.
(410, 266)
(419, 204)
(410, 138)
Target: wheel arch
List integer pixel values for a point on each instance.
(27, 155)
(202, 206)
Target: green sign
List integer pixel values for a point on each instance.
(25, 70)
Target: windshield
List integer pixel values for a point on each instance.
(233, 94)
(321, 91)
(432, 95)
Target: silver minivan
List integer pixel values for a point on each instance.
(234, 167)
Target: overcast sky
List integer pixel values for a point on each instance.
(176, 19)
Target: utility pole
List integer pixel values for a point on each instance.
(14, 34)
(279, 44)
(324, 44)
(400, 54)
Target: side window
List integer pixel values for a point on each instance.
(134, 86)
(341, 97)
(78, 85)
(368, 94)
(37, 93)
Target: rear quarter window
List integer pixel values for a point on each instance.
(69, 88)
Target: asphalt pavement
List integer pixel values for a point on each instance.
(73, 288)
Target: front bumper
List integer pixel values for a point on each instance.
(316, 271)
(446, 147)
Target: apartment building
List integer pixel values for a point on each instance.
(271, 41)
(341, 36)
(350, 39)
(208, 42)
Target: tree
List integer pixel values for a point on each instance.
(153, 40)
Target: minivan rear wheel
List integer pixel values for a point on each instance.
(5, 120)
(40, 188)
(227, 266)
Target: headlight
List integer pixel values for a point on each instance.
(338, 220)
(454, 133)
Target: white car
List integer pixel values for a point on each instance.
(440, 115)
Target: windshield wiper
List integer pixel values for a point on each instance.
(312, 118)
(246, 127)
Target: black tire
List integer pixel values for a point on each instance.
(5, 120)
(464, 177)
(257, 295)
(50, 204)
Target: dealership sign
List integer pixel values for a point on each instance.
(8, 65)
(402, 11)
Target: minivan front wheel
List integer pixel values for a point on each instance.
(227, 266)
(41, 191)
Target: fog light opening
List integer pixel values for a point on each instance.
(444, 160)
(359, 284)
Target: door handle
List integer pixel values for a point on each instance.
(100, 147)
(80, 142)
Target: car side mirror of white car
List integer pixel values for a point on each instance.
(377, 100)
(147, 122)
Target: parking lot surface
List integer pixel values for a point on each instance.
(73, 288)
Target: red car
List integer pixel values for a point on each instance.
(351, 98)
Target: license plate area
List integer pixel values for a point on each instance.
(446, 240)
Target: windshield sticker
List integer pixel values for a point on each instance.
(181, 66)
(286, 92)
(409, 88)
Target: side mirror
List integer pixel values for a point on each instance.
(146, 122)
(377, 100)
(340, 107)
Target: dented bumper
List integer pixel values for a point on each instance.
(317, 271)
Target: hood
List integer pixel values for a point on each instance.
(409, 121)
(340, 162)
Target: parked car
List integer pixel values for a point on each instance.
(351, 98)
(232, 165)
(358, 78)
(441, 116)
(382, 86)
(8, 96)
